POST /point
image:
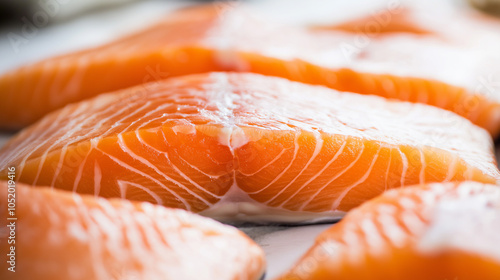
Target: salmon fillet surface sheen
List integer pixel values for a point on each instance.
(458, 75)
(65, 236)
(226, 144)
(436, 231)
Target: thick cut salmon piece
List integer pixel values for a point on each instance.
(457, 75)
(60, 235)
(227, 144)
(436, 231)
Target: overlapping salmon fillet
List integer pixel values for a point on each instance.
(60, 235)
(230, 144)
(436, 231)
(425, 66)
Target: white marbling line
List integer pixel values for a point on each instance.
(327, 165)
(317, 150)
(295, 151)
(363, 178)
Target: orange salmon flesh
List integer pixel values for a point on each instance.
(227, 143)
(436, 231)
(403, 60)
(66, 236)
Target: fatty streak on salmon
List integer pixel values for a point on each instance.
(434, 231)
(247, 147)
(67, 236)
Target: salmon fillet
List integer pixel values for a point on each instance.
(427, 68)
(60, 235)
(436, 231)
(231, 144)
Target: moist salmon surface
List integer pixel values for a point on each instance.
(408, 58)
(229, 143)
(435, 231)
(67, 236)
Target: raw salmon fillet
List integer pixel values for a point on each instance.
(60, 235)
(231, 144)
(455, 74)
(435, 231)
